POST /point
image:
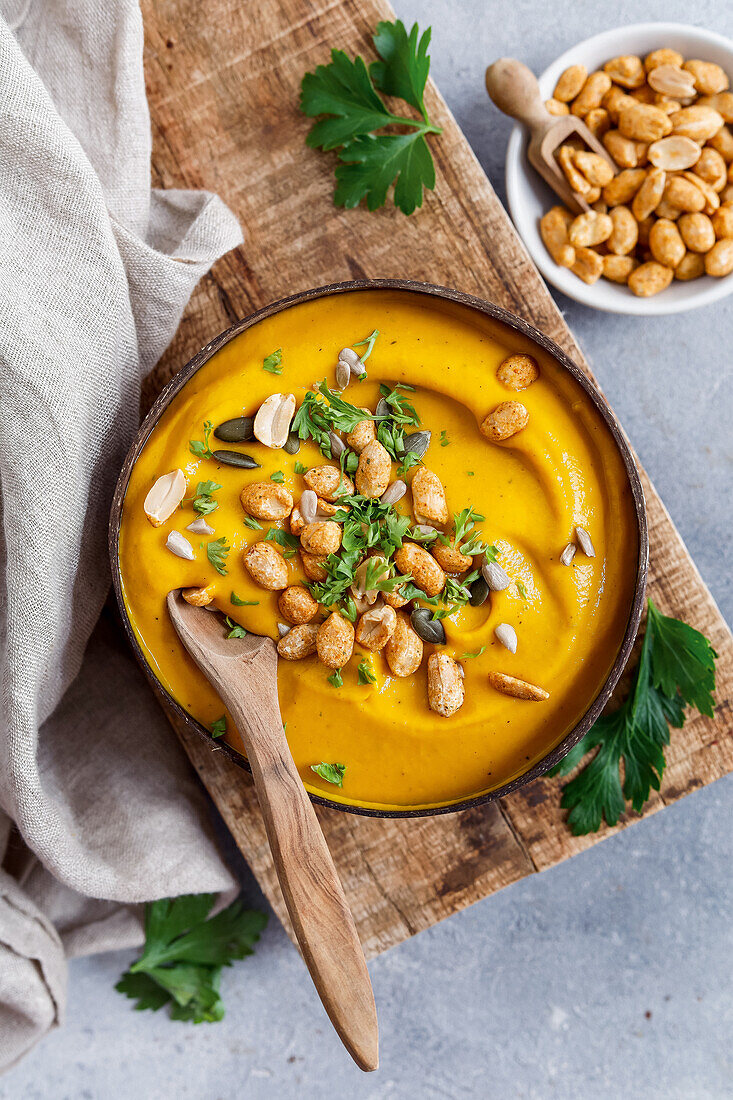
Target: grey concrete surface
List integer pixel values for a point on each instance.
(607, 977)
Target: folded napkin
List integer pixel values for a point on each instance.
(96, 270)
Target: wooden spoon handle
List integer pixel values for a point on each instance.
(515, 91)
(310, 884)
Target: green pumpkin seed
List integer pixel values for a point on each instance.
(236, 458)
(426, 627)
(292, 444)
(383, 409)
(238, 430)
(417, 442)
(479, 592)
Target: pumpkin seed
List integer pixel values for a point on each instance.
(384, 411)
(479, 592)
(238, 430)
(292, 444)
(236, 458)
(495, 576)
(426, 627)
(417, 442)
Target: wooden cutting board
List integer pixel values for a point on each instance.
(223, 81)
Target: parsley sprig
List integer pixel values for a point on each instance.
(203, 502)
(271, 363)
(202, 450)
(332, 773)
(324, 411)
(185, 953)
(676, 667)
(216, 552)
(347, 92)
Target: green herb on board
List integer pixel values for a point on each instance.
(332, 773)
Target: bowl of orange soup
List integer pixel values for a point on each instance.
(428, 507)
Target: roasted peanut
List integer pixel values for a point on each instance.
(691, 266)
(516, 372)
(697, 232)
(518, 689)
(198, 597)
(709, 78)
(299, 642)
(404, 650)
(428, 497)
(321, 538)
(509, 417)
(164, 497)
(446, 690)
(297, 523)
(374, 469)
(266, 500)
(722, 103)
(588, 265)
(663, 56)
(451, 559)
(313, 566)
(328, 482)
(591, 94)
(711, 197)
(644, 94)
(671, 80)
(297, 605)
(375, 627)
(612, 101)
(590, 229)
(622, 149)
(592, 196)
(394, 598)
(618, 268)
(674, 153)
(555, 107)
(554, 232)
(628, 71)
(625, 232)
(364, 596)
(684, 195)
(666, 210)
(712, 169)
(266, 566)
(570, 83)
(665, 242)
(719, 260)
(643, 121)
(722, 142)
(362, 435)
(426, 573)
(623, 187)
(722, 221)
(669, 106)
(594, 167)
(648, 196)
(273, 418)
(698, 123)
(598, 121)
(335, 641)
(576, 179)
(650, 278)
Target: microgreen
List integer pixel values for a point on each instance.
(242, 603)
(444, 440)
(366, 673)
(468, 656)
(216, 552)
(676, 667)
(456, 594)
(369, 342)
(323, 412)
(336, 680)
(300, 468)
(203, 502)
(278, 477)
(406, 464)
(252, 523)
(219, 727)
(235, 631)
(202, 450)
(185, 953)
(283, 538)
(271, 363)
(348, 94)
(332, 773)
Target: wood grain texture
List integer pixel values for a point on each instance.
(223, 82)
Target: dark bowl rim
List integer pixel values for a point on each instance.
(497, 313)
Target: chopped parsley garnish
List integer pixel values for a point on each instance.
(283, 538)
(456, 594)
(216, 552)
(219, 727)
(203, 502)
(444, 440)
(467, 656)
(323, 412)
(250, 521)
(236, 631)
(185, 953)
(278, 477)
(366, 673)
(359, 124)
(676, 667)
(243, 603)
(332, 773)
(202, 450)
(521, 590)
(410, 459)
(300, 468)
(337, 681)
(272, 362)
(369, 341)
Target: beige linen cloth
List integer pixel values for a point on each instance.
(95, 272)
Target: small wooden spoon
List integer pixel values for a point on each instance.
(244, 673)
(515, 91)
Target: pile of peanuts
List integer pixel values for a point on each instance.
(668, 213)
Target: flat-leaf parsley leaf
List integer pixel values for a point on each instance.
(332, 773)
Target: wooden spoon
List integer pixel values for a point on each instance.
(244, 673)
(515, 91)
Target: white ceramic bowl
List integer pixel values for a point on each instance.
(529, 196)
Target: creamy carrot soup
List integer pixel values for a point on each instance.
(445, 548)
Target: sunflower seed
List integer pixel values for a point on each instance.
(236, 458)
(283, 629)
(179, 546)
(479, 592)
(292, 444)
(426, 627)
(568, 554)
(308, 506)
(494, 576)
(200, 527)
(357, 369)
(337, 445)
(393, 492)
(238, 430)
(343, 374)
(586, 544)
(349, 357)
(417, 442)
(507, 635)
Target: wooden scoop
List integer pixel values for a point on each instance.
(515, 91)
(244, 673)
